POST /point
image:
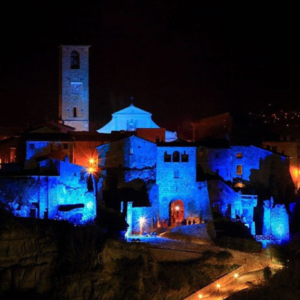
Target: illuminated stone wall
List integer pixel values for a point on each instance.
(62, 195)
(177, 181)
(276, 221)
(132, 152)
(215, 161)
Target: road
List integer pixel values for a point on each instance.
(240, 283)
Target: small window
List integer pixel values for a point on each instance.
(239, 170)
(66, 146)
(131, 151)
(184, 157)
(176, 156)
(176, 174)
(31, 146)
(75, 60)
(167, 157)
(75, 112)
(239, 155)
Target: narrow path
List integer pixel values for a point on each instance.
(242, 282)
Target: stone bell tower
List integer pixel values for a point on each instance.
(74, 86)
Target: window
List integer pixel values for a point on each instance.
(176, 174)
(239, 170)
(176, 156)
(75, 112)
(239, 155)
(75, 60)
(131, 151)
(184, 157)
(31, 146)
(66, 146)
(167, 157)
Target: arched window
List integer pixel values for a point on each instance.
(167, 157)
(176, 156)
(75, 60)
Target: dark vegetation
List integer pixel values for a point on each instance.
(234, 235)
(285, 283)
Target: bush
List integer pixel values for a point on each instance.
(223, 256)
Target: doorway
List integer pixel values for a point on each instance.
(176, 212)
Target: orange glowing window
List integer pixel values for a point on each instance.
(239, 155)
(239, 170)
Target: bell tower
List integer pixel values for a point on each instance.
(74, 86)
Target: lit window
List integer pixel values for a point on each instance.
(239, 170)
(176, 156)
(239, 155)
(75, 60)
(131, 151)
(167, 157)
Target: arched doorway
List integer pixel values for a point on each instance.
(176, 212)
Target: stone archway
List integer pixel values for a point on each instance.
(176, 212)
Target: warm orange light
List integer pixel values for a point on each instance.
(91, 161)
(90, 170)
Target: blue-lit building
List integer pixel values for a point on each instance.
(55, 189)
(154, 178)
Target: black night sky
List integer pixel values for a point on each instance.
(180, 60)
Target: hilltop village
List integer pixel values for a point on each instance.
(153, 177)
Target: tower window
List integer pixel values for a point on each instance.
(75, 112)
(167, 157)
(75, 60)
(239, 170)
(176, 156)
(239, 155)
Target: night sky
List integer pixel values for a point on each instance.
(180, 60)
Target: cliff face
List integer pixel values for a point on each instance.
(46, 259)
(58, 261)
